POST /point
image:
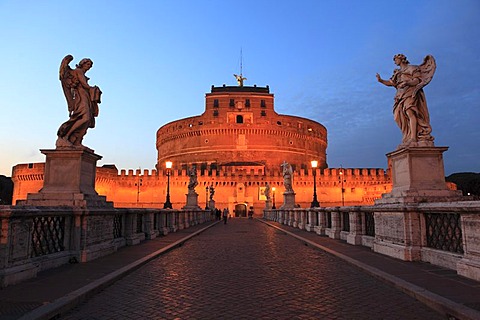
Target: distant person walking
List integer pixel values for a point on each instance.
(250, 213)
(225, 215)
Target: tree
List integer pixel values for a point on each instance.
(6, 190)
(468, 182)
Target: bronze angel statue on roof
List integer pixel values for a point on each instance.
(82, 101)
(410, 110)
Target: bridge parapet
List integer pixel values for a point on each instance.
(33, 239)
(442, 233)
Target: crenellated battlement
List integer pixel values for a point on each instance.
(34, 171)
(146, 173)
(146, 187)
(28, 172)
(352, 174)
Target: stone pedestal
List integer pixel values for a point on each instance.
(418, 176)
(268, 204)
(69, 180)
(211, 204)
(288, 200)
(192, 201)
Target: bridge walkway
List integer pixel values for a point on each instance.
(247, 269)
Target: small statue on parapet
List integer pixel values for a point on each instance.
(192, 173)
(212, 192)
(287, 172)
(266, 191)
(410, 110)
(82, 101)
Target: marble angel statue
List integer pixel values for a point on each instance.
(410, 110)
(287, 172)
(82, 101)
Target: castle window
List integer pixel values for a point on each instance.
(239, 119)
(279, 123)
(206, 141)
(247, 103)
(215, 103)
(200, 123)
(263, 113)
(190, 125)
(30, 165)
(215, 113)
(232, 102)
(262, 104)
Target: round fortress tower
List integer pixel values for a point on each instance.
(241, 128)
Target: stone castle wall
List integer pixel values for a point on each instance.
(147, 188)
(27, 178)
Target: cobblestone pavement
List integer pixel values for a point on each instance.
(247, 270)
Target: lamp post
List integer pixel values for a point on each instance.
(273, 193)
(168, 204)
(315, 203)
(138, 185)
(206, 198)
(342, 180)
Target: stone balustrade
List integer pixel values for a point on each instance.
(444, 234)
(33, 239)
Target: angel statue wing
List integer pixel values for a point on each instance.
(66, 78)
(427, 69)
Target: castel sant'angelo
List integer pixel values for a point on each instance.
(237, 145)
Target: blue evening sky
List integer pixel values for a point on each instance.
(155, 60)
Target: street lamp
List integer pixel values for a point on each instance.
(315, 203)
(273, 193)
(206, 198)
(138, 185)
(342, 180)
(168, 204)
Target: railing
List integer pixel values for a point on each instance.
(48, 235)
(444, 231)
(117, 226)
(346, 221)
(139, 222)
(369, 224)
(329, 220)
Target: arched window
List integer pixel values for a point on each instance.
(239, 118)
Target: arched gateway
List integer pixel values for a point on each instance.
(240, 210)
